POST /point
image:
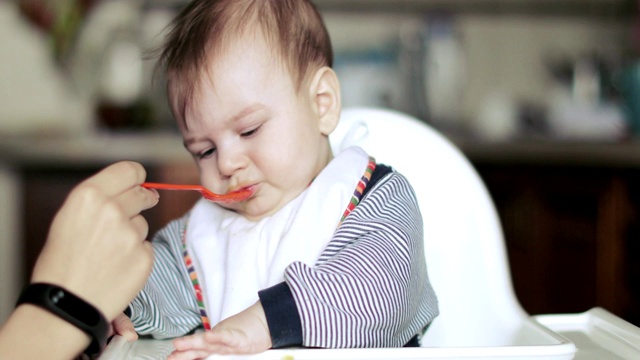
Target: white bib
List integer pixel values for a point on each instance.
(235, 257)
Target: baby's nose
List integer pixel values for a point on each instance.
(230, 161)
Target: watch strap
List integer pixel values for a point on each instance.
(71, 308)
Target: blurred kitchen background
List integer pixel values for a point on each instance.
(543, 96)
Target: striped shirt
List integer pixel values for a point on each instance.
(369, 288)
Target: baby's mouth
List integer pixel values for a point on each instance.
(247, 189)
(238, 195)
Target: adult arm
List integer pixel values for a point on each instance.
(96, 250)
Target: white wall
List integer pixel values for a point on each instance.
(501, 53)
(509, 53)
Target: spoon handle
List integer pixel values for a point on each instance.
(161, 186)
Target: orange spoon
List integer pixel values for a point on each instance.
(238, 195)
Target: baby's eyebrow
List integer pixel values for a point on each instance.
(193, 140)
(247, 111)
(188, 142)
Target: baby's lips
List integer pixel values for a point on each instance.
(240, 194)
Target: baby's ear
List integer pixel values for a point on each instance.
(325, 98)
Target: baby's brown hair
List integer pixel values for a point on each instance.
(293, 27)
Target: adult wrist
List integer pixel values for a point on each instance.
(70, 308)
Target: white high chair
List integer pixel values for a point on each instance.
(480, 317)
(464, 247)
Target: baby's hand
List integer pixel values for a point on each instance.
(244, 333)
(123, 326)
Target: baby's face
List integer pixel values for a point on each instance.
(249, 127)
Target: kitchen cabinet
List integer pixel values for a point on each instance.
(571, 227)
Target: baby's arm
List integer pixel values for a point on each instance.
(370, 287)
(166, 307)
(243, 333)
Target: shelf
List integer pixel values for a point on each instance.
(573, 8)
(96, 149)
(604, 154)
(162, 148)
(603, 9)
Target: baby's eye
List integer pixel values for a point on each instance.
(250, 132)
(205, 154)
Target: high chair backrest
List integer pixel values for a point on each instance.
(465, 252)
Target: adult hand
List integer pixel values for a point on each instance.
(96, 246)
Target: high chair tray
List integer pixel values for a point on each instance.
(597, 334)
(530, 341)
(160, 349)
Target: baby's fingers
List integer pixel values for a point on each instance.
(188, 355)
(210, 342)
(200, 341)
(191, 347)
(191, 342)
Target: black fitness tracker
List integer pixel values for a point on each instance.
(72, 309)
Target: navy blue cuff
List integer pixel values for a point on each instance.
(282, 316)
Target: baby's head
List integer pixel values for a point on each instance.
(251, 87)
(293, 30)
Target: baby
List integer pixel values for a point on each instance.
(328, 251)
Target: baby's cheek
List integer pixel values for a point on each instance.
(211, 181)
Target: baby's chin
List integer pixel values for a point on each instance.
(258, 208)
(251, 209)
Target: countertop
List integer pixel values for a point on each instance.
(92, 150)
(166, 147)
(613, 154)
